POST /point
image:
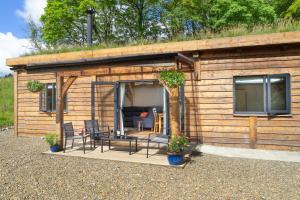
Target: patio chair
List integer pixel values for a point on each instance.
(71, 134)
(157, 138)
(95, 131)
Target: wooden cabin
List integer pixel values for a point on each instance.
(239, 92)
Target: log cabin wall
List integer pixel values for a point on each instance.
(30, 120)
(209, 99)
(209, 107)
(35, 123)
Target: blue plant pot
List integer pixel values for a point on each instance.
(54, 148)
(175, 158)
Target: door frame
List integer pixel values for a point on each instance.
(117, 107)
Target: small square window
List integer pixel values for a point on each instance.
(48, 98)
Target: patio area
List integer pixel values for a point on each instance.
(157, 156)
(26, 173)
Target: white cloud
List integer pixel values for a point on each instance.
(32, 9)
(11, 46)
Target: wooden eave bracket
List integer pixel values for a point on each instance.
(184, 59)
(194, 64)
(68, 84)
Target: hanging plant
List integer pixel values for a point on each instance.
(34, 86)
(172, 79)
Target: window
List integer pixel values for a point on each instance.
(48, 98)
(268, 94)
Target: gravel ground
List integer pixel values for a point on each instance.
(25, 173)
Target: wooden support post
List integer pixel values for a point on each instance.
(253, 131)
(197, 70)
(59, 108)
(16, 103)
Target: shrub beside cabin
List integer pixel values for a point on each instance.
(240, 92)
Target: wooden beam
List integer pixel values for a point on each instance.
(70, 73)
(67, 85)
(104, 71)
(184, 59)
(253, 131)
(16, 103)
(59, 108)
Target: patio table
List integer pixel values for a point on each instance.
(125, 138)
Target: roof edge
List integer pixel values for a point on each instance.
(160, 48)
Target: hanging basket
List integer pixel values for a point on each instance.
(171, 80)
(34, 86)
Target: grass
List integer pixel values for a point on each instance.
(238, 30)
(6, 101)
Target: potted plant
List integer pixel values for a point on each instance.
(175, 149)
(34, 86)
(52, 140)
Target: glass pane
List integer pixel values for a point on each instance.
(49, 97)
(278, 93)
(249, 94)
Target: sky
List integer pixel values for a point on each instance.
(14, 15)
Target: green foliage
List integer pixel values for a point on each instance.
(177, 144)
(34, 86)
(225, 13)
(6, 101)
(142, 21)
(64, 22)
(172, 79)
(237, 30)
(281, 6)
(293, 11)
(52, 139)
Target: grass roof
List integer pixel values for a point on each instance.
(238, 30)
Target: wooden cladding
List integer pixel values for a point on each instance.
(209, 115)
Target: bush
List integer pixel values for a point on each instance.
(34, 86)
(6, 102)
(172, 79)
(177, 144)
(52, 139)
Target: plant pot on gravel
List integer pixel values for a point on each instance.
(52, 140)
(175, 150)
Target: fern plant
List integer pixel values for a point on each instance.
(52, 139)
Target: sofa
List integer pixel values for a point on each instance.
(132, 116)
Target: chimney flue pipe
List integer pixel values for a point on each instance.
(90, 13)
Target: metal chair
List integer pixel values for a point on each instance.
(157, 138)
(95, 131)
(71, 134)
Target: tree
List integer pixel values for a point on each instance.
(226, 13)
(64, 21)
(184, 17)
(281, 6)
(138, 20)
(35, 34)
(293, 11)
